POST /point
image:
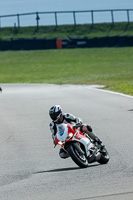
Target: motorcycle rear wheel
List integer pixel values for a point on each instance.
(80, 160)
(104, 156)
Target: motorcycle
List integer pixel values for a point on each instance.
(81, 148)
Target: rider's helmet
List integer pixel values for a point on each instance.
(55, 113)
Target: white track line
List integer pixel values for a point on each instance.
(97, 87)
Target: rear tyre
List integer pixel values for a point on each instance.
(104, 157)
(80, 160)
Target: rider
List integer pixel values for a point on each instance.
(58, 117)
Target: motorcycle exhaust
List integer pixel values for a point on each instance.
(98, 156)
(95, 156)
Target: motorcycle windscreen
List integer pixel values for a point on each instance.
(62, 132)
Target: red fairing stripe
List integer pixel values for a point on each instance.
(56, 140)
(70, 129)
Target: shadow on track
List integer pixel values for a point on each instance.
(65, 169)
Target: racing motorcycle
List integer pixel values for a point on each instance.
(81, 148)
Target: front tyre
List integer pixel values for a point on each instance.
(104, 156)
(79, 159)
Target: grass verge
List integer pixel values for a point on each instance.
(69, 31)
(112, 67)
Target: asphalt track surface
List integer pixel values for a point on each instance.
(31, 169)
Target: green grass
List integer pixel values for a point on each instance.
(69, 31)
(112, 67)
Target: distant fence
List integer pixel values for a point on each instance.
(37, 16)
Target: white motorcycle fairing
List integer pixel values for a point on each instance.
(84, 140)
(63, 133)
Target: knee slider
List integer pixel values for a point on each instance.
(63, 154)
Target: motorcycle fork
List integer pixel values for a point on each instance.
(78, 148)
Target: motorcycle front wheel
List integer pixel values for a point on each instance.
(78, 158)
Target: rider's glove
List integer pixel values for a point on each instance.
(78, 121)
(98, 140)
